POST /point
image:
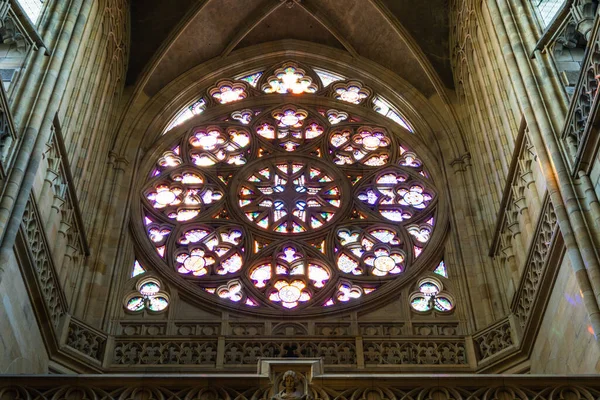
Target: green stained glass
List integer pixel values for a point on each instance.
(441, 269)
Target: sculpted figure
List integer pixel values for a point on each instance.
(291, 389)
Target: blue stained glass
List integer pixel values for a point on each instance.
(252, 79)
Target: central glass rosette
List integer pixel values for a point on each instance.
(290, 196)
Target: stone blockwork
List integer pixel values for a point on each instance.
(497, 187)
(565, 322)
(21, 342)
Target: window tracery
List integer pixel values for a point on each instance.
(229, 92)
(148, 296)
(352, 92)
(290, 78)
(222, 204)
(431, 297)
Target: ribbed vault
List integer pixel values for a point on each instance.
(169, 39)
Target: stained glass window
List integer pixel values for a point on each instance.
(547, 9)
(33, 9)
(383, 107)
(187, 113)
(252, 79)
(137, 269)
(327, 78)
(292, 205)
(289, 79)
(148, 296)
(351, 92)
(431, 296)
(441, 269)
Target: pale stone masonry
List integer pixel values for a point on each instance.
(488, 125)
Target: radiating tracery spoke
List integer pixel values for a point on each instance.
(290, 197)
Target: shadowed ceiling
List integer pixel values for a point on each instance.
(177, 35)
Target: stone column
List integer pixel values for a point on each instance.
(557, 177)
(592, 201)
(20, 182)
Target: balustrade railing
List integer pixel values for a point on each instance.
(583, 107)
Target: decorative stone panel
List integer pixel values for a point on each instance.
(461, 387)
(165, 353)
(333, 353)
(86, 340)
(536, 264)
(493, 340)
(41, 261)
(415, 353)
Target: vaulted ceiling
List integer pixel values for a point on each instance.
(170, 37)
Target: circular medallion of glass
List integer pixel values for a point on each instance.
(290, 196)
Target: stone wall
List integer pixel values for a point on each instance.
(565, 343)
(21, 344)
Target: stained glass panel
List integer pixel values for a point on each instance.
(137, 269)
(441, 269)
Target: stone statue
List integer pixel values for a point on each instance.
(291, 388)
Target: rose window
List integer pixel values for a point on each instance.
(290, 208)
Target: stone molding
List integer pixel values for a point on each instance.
(210, 328)
(318, 386)
(519, 179)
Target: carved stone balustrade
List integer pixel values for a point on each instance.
(583, 107)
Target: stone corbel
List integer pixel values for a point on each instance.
(519, 199)
(585, 11)
(512, 223)
(10, 34)
(118, 162)
(461, 163)
(274, 368)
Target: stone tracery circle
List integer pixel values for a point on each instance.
(291, 195)
(359, 173)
